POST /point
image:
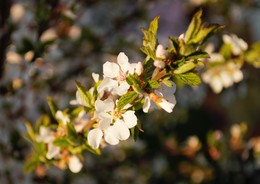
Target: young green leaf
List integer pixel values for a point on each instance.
(84, 95)
(126, 99)
(61, 142)
(193, 27)
(30, 132)
(153, 84)
(189, 78)
(52, 105)
(185, 68)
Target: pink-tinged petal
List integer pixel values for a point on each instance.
(104, 106)
(159, 64)
(120, 130)
(107, 84)
(130, 118)
(147, 104)
(167, 106)
(111, 70)
(74, 164)
(122, 60)
(109, 136)
(160, 52)
(121, 89)
(95, 137)
(53, 151)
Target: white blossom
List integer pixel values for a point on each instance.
(62, 117)
(222, 76)
(112, 124)
(115, 75)
(238, 45)
(162, 97)
(46, 136)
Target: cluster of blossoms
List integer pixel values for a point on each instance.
(106, 113)
(106, 118)
(224, 69)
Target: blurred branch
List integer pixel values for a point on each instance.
(4, 32)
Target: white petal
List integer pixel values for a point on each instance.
(120, 130)
(80, 101)
(226, 79)
(109, 136)
(74, 164)
(95, 77)
(122, 60)
(45, 135)
(53, 151)
(147, 104)
(94, 137)
(111, 70)
(121, 89)
(63, 117)
(216, 84)
(104, 106)
(160, 52)
(107, 84)
(237, 75)
(130, 118)
(105, 121)
(159, 64)
(167, 106)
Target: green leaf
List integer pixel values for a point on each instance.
(126, 99)
(174, 45)
(185, 68)
(149, 39)
(44, 120)
(189, 78)
(226, 50)
(30, 165)
(204, 33)
(30, 131)
(198, 55)
(61, 142)
(252, 56)
(135, 130)
(154, 25)
(89, 148)
(72, 134)
(193, 27)
(52, 105)
(153, 84)
(84, 94)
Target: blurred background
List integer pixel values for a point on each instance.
(46, 45)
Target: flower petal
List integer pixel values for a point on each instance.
(94, 137)
(147, 104)
(109, 136)
(110, 70)
(130, 118)
(120, 130)
(74, 164)
(167, 106)
(122, 60)
(121, 89)
(107, 84)
(104, 106)
(53, 151)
